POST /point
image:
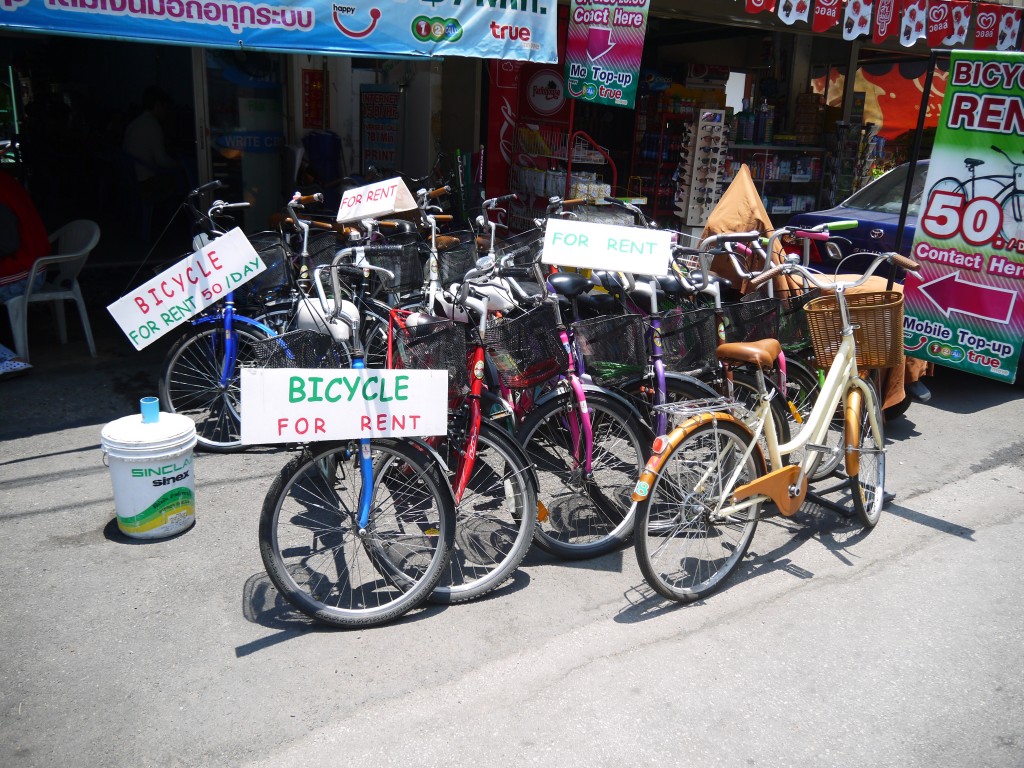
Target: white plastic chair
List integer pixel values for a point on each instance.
(72, 244)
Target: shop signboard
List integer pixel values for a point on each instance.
(186, 289)
(964, 308)
(603, 49)
(380, 126)
(487, 29)
(613, 247)
(299, 405)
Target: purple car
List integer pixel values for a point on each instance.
(877, 209)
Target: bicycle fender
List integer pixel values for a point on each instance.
(854, 407)
(669, 442)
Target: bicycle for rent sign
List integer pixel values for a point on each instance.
(964, 308)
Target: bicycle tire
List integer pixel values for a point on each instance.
(949, 184)
(684, 553)
(320, 561)
(190, 383)
(581, 517)
(867, 484)
(1013, 217)
(495, 519)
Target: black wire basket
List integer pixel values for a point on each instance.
(322, 246)
(300, 349)
(405, 262)
(456, 255)
(614, 348)
(751, 320)
(523, 249)
(424, 342)
(275, 253)
(689, 339)
(526, 350)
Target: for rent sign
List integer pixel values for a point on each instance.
(603, 48)
(289, 405)
(606, 246)
(187, 288)
(964, 308)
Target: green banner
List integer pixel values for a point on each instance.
(964, 308)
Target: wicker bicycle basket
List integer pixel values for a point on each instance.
(877, 318)
(689, 339)
(526, 349)
(613, 347)
(751, 320)
(435, 345)
(299, 349)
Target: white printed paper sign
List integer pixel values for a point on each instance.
(375, 200)
(298, 405)
(586, 245)
(190, 286)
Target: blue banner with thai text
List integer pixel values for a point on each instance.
(523, 30)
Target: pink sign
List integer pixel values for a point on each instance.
(603, 49)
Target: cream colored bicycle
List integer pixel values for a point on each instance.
(699, 497)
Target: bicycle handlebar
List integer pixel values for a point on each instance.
(439, 192)
(778, 269)
(297, 199)
(490, 203)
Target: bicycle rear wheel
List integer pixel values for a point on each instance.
(190, 383)
(685, 545)
(1013, 217)
(329, 568)
(579, 516)
(867, 474)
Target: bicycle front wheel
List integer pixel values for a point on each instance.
(867, 473)
(193, 383)
(495, 518)
(1013, 217)
(579, 515)
(688, 541)
(329, 567)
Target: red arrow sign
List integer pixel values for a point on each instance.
(598, 42)
(951, 294)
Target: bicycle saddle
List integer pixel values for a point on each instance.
(761, 353)
(673, 286)
(597, 304)
(570, 284)
(972, 162)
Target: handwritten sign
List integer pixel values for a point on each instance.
(296, 405)
(375, 200)
(187, 288)
(606, 246)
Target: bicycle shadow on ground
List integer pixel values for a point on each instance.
(262, 604)
(777, 538)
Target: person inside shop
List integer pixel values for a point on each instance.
(161, 177)
(23, 239)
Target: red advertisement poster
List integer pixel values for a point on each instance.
(315, 108)
(760, 6)
(940, 22)
(986, 26)
(503, 112)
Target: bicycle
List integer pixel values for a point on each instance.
(698, 500)
(1006, 189)
(358, 533)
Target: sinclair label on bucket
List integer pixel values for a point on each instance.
(152, 471)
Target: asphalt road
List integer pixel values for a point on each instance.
(831, 648)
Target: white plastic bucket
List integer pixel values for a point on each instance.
(152, 473)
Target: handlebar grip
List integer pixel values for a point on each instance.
(765, 276)
(316, 197)
(810, 234)
(842, 224)
(902, 261)
(386, 249)
(733, 237)
(208, 186)
(439, 192)
(395, 224)
(495, 200)
(572, 201)
(312, 223)
(444, 218)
